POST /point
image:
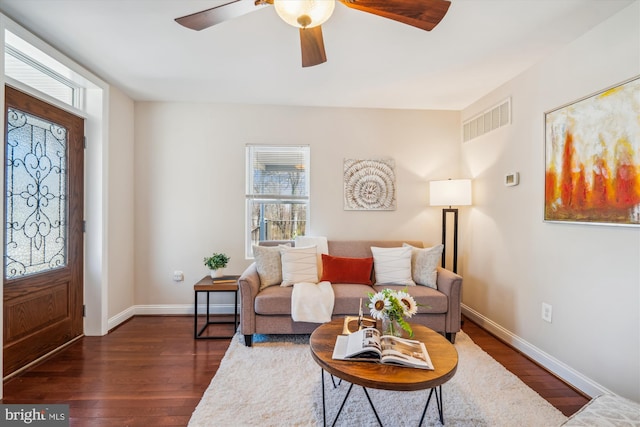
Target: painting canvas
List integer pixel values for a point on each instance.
(369, 184)
(592, 158)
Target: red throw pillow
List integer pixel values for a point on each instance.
(346, 270)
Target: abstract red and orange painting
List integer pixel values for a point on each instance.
(592, 158)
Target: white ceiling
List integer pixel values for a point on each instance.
(372, 62)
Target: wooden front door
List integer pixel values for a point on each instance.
(43, 236)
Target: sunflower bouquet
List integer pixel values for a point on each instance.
(393, 306)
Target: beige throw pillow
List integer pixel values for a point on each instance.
(268, 264)
(424, 264)
(392, 266)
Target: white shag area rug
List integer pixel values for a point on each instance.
(277, 383)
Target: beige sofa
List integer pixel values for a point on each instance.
(268, 311)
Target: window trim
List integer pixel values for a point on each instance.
(251, 198)
(33, 63)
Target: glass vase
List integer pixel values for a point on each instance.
(391, 327)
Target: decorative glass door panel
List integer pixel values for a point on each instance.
(36, 195)
(43, 207)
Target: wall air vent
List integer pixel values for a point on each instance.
(493, 118)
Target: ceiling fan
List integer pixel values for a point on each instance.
(309, 15)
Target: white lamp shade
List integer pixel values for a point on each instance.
(450, 192)
(304, 13)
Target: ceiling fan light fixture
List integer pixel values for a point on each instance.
(304, 13)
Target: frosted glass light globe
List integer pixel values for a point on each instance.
(304, 13)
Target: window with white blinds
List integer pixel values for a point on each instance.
(277, 193)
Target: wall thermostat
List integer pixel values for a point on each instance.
(511, 179)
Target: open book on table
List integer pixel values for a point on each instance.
(369, 344)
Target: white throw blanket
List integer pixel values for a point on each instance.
(312, 302)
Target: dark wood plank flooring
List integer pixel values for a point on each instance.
(552, 389)
(150, 371)
(147, 372)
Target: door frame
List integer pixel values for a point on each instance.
(96, 113)
(95, 259)
(55, 290)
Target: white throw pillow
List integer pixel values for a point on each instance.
(322, 247)
(299, 265)
(424, 264)
(321, 243)
(392, 266)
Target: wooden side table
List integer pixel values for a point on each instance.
(208, 285)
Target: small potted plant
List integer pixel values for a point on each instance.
(216, 263)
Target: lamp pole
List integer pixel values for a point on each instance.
(450, 192)
(445, 211)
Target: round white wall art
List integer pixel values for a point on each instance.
(369, 184)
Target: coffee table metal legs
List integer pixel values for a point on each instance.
(324, 409)
(436, 390)
(372, 407)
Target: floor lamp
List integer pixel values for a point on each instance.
(450, 192)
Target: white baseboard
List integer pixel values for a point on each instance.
(167, 309)
(553, 365)
(120, 318)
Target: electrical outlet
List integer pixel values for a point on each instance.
(178, 276)
(546, 312)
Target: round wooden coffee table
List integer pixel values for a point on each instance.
(443, 355)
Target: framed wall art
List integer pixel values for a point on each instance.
(369, 184)
(592, 158)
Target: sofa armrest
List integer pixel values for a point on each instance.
(249, 285)
(450, 284)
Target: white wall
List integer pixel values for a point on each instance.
(120, 195)
(190, 177)
(513, 261)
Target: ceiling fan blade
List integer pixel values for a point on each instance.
(423, 14)
(210, 17)
(312, 46)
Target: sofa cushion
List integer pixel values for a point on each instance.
(274, 300)
(346, 270)
(348, 298)
(424, 264)
(393, 265)
(429, 300)
(268, 265)
(299, 265)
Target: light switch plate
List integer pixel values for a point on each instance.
(547, 312)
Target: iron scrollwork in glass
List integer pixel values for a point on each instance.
(36, 195)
